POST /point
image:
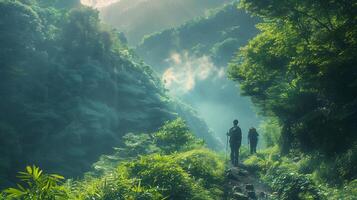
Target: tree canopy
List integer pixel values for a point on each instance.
(301, 68)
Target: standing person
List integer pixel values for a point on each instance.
(253, 140)
(235, 140)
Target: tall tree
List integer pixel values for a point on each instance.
(301, 68)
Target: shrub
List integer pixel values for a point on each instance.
(347, 192)
(175, 136)
(203, 165)
(37, 185)
(113, 186)
(294, 186)
(164, 173)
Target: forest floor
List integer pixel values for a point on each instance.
(240, 184)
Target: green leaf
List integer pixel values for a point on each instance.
(56, 176)
(29, 169)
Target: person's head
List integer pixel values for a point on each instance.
(235, 122)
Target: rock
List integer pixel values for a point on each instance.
(249, 187)
(237, 189)
(262, 195)
(251, 194)
(243, 172)
(239, 196)
(231, 175)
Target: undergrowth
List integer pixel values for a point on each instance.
(146, 167)
(299, 177)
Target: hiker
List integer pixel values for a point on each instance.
(253, 140)
(235, 140)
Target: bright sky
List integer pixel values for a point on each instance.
(98, 3)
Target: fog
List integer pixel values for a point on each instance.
(196, 80)
(98, 3)
(205, 86)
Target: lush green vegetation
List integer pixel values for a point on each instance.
(204, 46)
(300, 70)
(299, 176)
(138, 18)
(186, 170)
(217, 35)
(70, 89)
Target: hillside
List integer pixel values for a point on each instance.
(137, 18)
(85, 117)
(70, 90)
(192, 60)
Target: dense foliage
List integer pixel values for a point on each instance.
(298, 176)
(193, 172)
(138, 18)
(195, 55)
(70, 88)
(37, 185)
(218, 35)
(301, 69)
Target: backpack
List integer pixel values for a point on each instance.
(235, 134)
(253, 135)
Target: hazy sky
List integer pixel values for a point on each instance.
(98, 3)
(198, 82)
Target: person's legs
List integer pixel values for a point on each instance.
(232, 153)
(237, 155)
(251, 147)
(255, 146)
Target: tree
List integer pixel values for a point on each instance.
(301, 68)
(175, 136)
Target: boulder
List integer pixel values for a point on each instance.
(251, 195)
(249, 187)
(239, 196)
(237, 189)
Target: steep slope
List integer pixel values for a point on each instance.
(218, 35)
(69, 90)
(137, 18)
(192, 60)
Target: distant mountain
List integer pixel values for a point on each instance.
(192, 60)
(137, 18)
(218, 35)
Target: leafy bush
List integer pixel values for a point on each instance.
(204, 165)
(175, 136)
(139, 172)
(347, 192)
(282, 174)
(37, 185)
(167, 175)
(263, 160)
(115, 186)
(294, 186)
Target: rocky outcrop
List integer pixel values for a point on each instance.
(243, 185)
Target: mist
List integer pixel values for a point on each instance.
(205, 86)
(130, 99)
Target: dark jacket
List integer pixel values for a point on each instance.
(253, 135)
(235, 135)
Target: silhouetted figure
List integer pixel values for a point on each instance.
(235, 140)
(253, 140)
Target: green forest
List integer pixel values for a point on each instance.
(134, 100)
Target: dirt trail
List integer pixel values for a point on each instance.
(240, 184)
